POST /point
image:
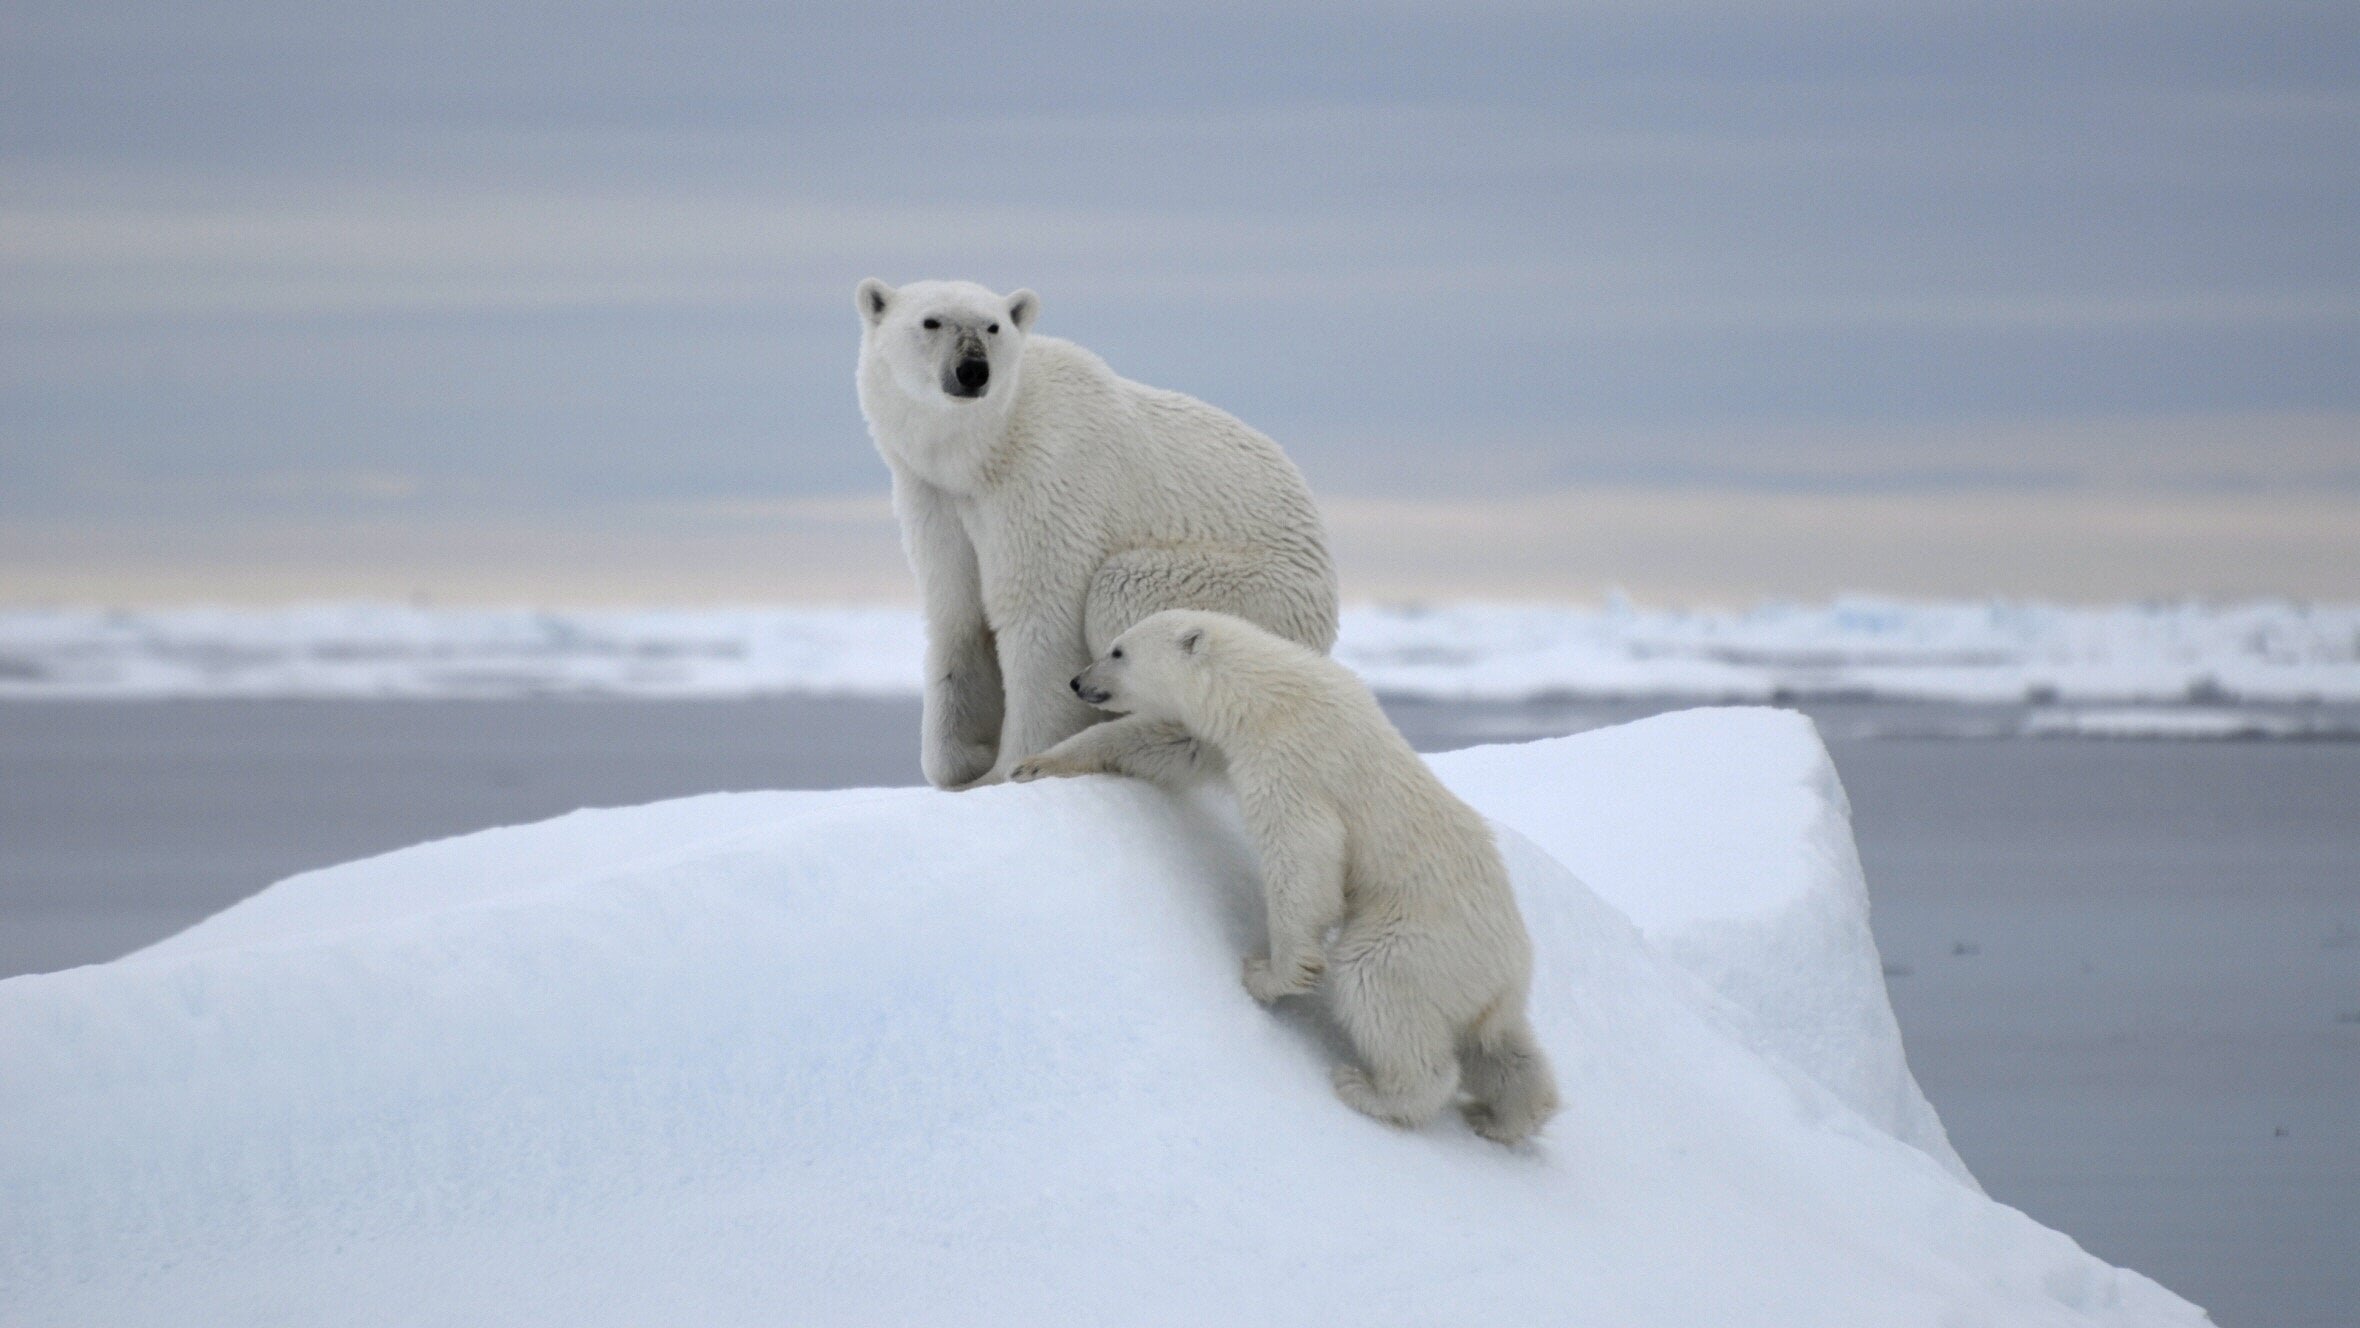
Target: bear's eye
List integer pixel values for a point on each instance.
(994, 329)
(933, 324)
(1118, 652)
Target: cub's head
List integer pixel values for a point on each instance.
(950, 342)
(1159, 668)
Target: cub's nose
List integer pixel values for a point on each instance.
(973, 374)
(1076, 684)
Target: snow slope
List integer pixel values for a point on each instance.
(898, 1056)
(1783, 935)
(1963, 651)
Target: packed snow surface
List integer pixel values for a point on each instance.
(2000, 651)
(901, 1056)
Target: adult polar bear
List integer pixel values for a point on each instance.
(1047, 504)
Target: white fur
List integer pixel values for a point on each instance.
(1058, 507)
(1429, 964)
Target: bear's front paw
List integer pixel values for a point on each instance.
(1267, 983)
(957, 765)
(1032, 768)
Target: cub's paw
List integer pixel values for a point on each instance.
(1353, 1086)
(1267, 984)
(1030, 769)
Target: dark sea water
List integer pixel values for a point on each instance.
(2127, 972)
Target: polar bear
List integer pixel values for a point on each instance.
(1430, 963)
(1046, 505)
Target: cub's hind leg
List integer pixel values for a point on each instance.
(1510, 1091)
(1411, 1069)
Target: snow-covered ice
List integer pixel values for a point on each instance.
(1783, 935)
(1857, 648)
(900, 1056)
(1989, 651)
(2184, 722)
(394, 650)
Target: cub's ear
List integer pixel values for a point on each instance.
(1192, 641)
(873, 298)
(1023, 308)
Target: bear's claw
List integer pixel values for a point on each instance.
(1267, 985)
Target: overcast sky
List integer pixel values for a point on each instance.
(473, 267)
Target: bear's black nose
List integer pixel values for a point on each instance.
(973, 374)
(1076, 684)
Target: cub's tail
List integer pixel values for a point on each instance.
(1506, 1076)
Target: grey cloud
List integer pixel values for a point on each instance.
(531, 256)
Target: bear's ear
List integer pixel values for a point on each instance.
(1023, 307)
(873, 298)
(1192, 641)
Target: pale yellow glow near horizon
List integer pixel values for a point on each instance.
(1666, 546)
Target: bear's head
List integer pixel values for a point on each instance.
(1158, 668)
(952, 343)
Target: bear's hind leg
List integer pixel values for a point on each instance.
(1412, 1069)
(1510, 1091)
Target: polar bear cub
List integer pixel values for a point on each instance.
(1047, 504)
(1429, 965)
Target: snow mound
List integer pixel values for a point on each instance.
(1966, 651)
(1783, 935)
(911, 1057)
